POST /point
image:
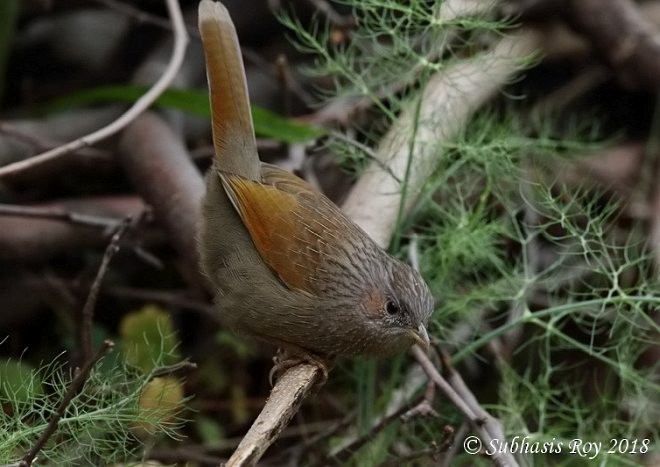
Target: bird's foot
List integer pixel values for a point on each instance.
(285, 359)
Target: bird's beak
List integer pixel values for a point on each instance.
(421, 338)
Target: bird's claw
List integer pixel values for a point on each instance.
(284, 360)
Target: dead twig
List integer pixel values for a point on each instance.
(487, 427)
(142, 104)
(74, 387)
(425, 406)
(436, 448)
(33, 239)
(453, 448)
(43, 143)
(345, 452)
(90, 303)
(55, 213)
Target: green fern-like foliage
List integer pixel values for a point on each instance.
(539, 272)
(124, 403)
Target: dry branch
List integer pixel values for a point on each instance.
(142, 104)
(27, 236)
(88, 310)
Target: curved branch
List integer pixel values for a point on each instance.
(142, 104)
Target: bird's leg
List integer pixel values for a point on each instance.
(289, 356)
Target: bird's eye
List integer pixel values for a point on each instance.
(391, 307)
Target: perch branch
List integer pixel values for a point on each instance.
(58, 213)
(282, 404)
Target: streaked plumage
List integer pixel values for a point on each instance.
(288, 266)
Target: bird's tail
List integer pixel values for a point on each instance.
(233, 132)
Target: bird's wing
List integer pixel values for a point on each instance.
(298, 232)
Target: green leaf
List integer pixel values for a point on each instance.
(266, 123)
(271, 125)
(148, 338)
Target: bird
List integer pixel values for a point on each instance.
(287, 266)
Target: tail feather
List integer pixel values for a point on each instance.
(233, 132)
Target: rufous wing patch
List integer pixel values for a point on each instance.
(299, 233)
(270, 218)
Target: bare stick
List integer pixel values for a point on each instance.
(76, 384)
(452, 450)
(341, 456)
(55, 213)
(90, 303)
(35, 238)
(142, 104)
(43, 143)
(282, 404)
(482, 422)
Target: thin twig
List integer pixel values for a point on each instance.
(368, 152)
(454, 378)
(90, 303)
(425, 406)
(58, 214)
(142, 104)
(184, 366)
(42, 144)
(452, 450)
(437, 447)
(482, 422)
(344, 453)
(76, 384)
